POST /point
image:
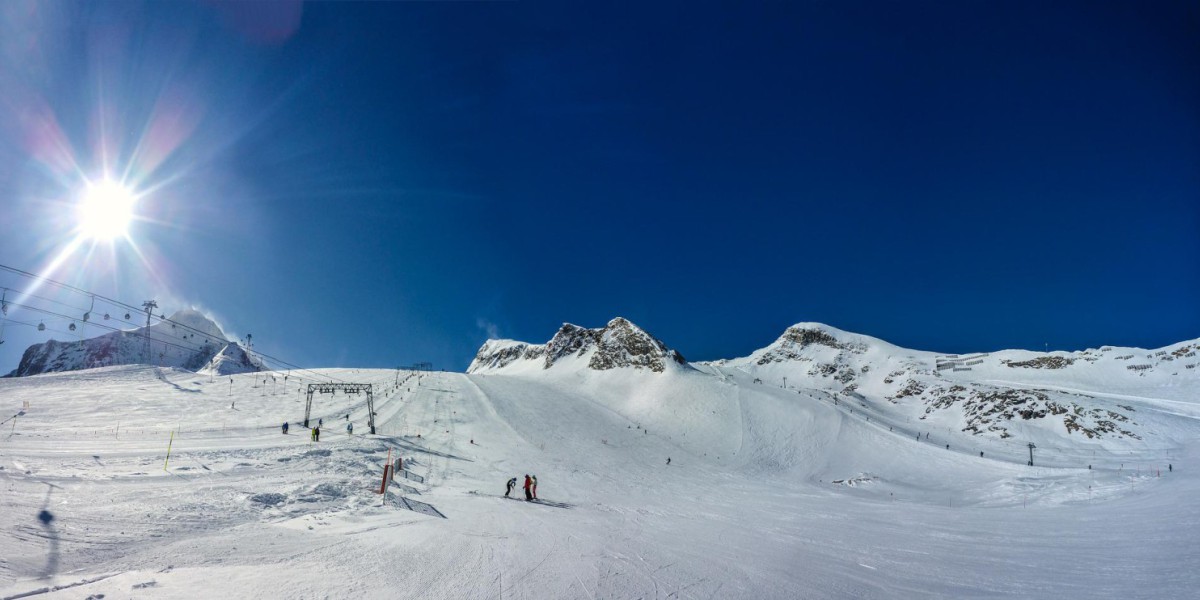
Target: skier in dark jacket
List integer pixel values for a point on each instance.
(512, 483)
(528, 482)
(285, 426)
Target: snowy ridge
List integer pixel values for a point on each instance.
(188, 340)
(992, 394)
(619, 344)
(1001, 394)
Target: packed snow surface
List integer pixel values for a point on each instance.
(803, 491)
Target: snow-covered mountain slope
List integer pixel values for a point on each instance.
(187, 340)
(1059, 398)
(771, 492)
(1006, 394)
(616, 345)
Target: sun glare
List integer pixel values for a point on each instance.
(105, 210)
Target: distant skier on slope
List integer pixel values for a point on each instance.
(512, 483)
(285, 427)
(534, 477)
(668, 461)
(316, 434)
(528, 494)
(349, 428)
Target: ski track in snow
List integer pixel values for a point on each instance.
(747, 508)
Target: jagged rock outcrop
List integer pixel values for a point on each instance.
(619, 344)
(188, 340)
(791, 345)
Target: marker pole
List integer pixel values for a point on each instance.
(172, 441)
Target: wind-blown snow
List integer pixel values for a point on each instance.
(188, 340)
(803, 491)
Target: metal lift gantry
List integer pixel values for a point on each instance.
(349, 388)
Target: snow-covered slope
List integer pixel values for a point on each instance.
(803, 490)
(770, 492)
(1057, 396)
(187, 340)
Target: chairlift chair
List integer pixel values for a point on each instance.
(71, 326)
(41, 326)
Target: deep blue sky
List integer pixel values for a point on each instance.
(388, 182)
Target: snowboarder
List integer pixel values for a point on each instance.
(512, 483)
(285, 426)
(534, 487)
(349, 428)
(668, 461)
(528, 494)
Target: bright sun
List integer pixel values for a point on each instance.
(105, 209)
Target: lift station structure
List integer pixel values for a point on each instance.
(349, 388)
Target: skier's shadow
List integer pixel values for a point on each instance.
(47, 520)
(554, 504)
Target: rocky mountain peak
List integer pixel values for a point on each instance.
(618, 344)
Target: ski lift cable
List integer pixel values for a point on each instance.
(51, 300)
(153, 340)
(134, 309)
(166, 343)
(130, 307)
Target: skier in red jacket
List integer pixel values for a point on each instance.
(528, 483)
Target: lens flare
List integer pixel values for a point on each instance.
(105, 210)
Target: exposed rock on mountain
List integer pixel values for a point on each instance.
(619, 344)
(188, 340)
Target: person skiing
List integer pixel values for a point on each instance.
(285, 426)
(534, 487)
(528, 494)
(349, 428)
(512, 483)
(668, 461)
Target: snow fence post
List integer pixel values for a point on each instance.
(169, 443)
(387, 469)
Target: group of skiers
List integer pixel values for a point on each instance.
(315, 433)
(530, 487)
